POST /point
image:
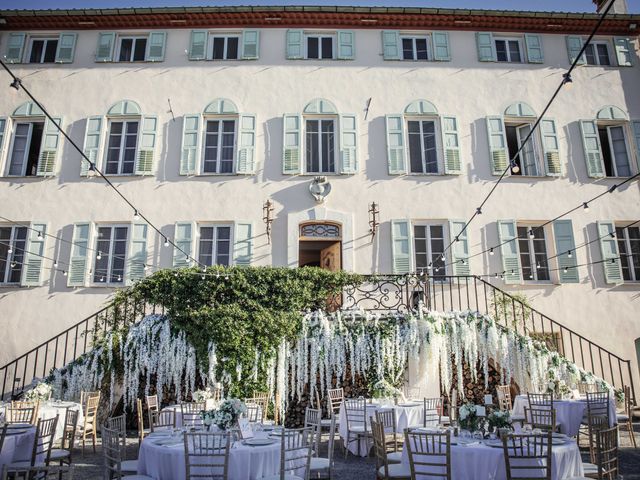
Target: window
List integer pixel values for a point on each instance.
(43, 50)
(526, 160)
(25, 150)
(132, 49)
(429, 247)
(320, 146)
(219, 146)
(614, 151)
(629, 251)
(508, 50)
(223, 47)
(111, 251)
(423, 152)
(597, 53)
(319, 46)
(533, 253)
(415, 48)
(13, 242)
(121, 147)
(215, 245)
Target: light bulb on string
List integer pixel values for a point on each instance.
(531, 235)
(491, 251)
(515, 168)
(99, 256)
(442, 257)
(10, 249)
(13, 264)
(119, 278)
(567, 81)
(166, 242)
(55, 263)
(226, 277)
(64, 272)
(136, 215)
(585, 206)
(569, 254)
(146, 267)
(15, 84)
(566, 269)
(478, 211)
(39, 234)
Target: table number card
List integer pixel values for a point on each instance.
(481, 411)
(488, 399)
(245, 428)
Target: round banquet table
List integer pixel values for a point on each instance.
(569, 413)
(166, 462)
(18, 445)
(479, 461)
(50, 409)
(408, 414)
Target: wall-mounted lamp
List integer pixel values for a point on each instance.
(267, 210)
(373, 219)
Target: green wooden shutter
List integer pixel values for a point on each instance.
(574, 46)
(441, 49)
(251, 44)
(106, 43)
(623, 51)
(535, 53)
(486, 47)
(391, 45)
(401, 246)
(137, 255)
(3, 128)
(242, 243)
(49, 148)
(451, 143)
(346, 41)
(190, 150)
(395, 144)
(291, 145)
(155, 46)
(184, 234)
(459, 249)
(91, 146)
(198, 45)
(294, 44)
(15, 47)
(563, 234)
(635, 126)
(66, 47)
(498, 153)
(550, 147)
(609, 250)
(246, 160)
(77, 274)
(32, 271)
(348, 144)
(508, 232)
(146, 149)
(592, 151)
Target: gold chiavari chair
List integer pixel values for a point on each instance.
(597, 417)
(527, 456)
(540, 400)
(90, 427)
(429, 454)
(119, 424)
(22, 415)
(503, 392)
(254, 411)
(357, 423)
(40, 472)
(541, 418)
(42, 445)
(336, 396)
(412, 393)
(295, 455)
(626, 419)
(84, 396)
(113, 456)
(262, 399)
(387, 418)
(65, 452)
(584, 388)
(191, 414)
(318, 464)
(312, 421)
(162, 420)
(384, 468)
(431, 411)
(206, 455)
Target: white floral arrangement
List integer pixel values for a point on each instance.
(41, 392)
(383, 389)
(468, 418)
(200, 396)
(558, 387)
(228, 413)
(499, 419)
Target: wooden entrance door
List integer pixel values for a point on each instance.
(330, 257)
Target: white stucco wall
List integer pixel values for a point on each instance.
(272, 86)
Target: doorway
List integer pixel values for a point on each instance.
(320, 246)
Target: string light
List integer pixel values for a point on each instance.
(585, 206)
(531, 235)
(136, 215)
(64, 272)
(99, 256)
(478, 211)
(515, 168)
(166, 242)
(491, 251)
(567, 81)
(569, 254)
(39, 234)
(15, 84)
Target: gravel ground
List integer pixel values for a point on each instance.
(89, 465)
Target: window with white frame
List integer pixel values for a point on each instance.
(416, 48)
(214, 247)
(122, 143)
(320, 142)
(319, 46)
(532, 244)
(429, 244)
(223, 47)
(25, 148)
(615, 150)
(13, 241)
(508, 50)
(219, 145)
(110, 254)
(629, 251)
(423, 145)
(527, 159)
(597, 53)
(132, 49)
(42, 50)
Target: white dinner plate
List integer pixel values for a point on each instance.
(558, 435)
(557, 441)
(494, 443)
(258, 442)
(428, 430)
(408, 404)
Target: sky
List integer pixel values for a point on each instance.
(541, 5)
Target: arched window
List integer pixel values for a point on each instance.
(533, 154)
(328, 140)
(34, 142)
(129, 148)
(228, 141)
(610, 142)
(431, 139)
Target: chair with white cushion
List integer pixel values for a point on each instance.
(254, 411)
(206, 455)
(41, 473)
(431, 411)
(42, 445)
(385, 469)
(607, 466)
(119, 424)
(295, 455)
(387, 418)
(357, 423)
(64, 453)
(321, 465)
(113, 454)
(162, 420)
(191, 414)
(336, 396)
(429, 454)
(312, 420)
(528, 456)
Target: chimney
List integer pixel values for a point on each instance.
(619, 6)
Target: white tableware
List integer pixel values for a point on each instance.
(258, 442)
(494, 443)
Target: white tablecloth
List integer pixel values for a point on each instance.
(569, 413)
(481, 462)
(245, 463)
(51, 409)
(407, 415)
(17, 447)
